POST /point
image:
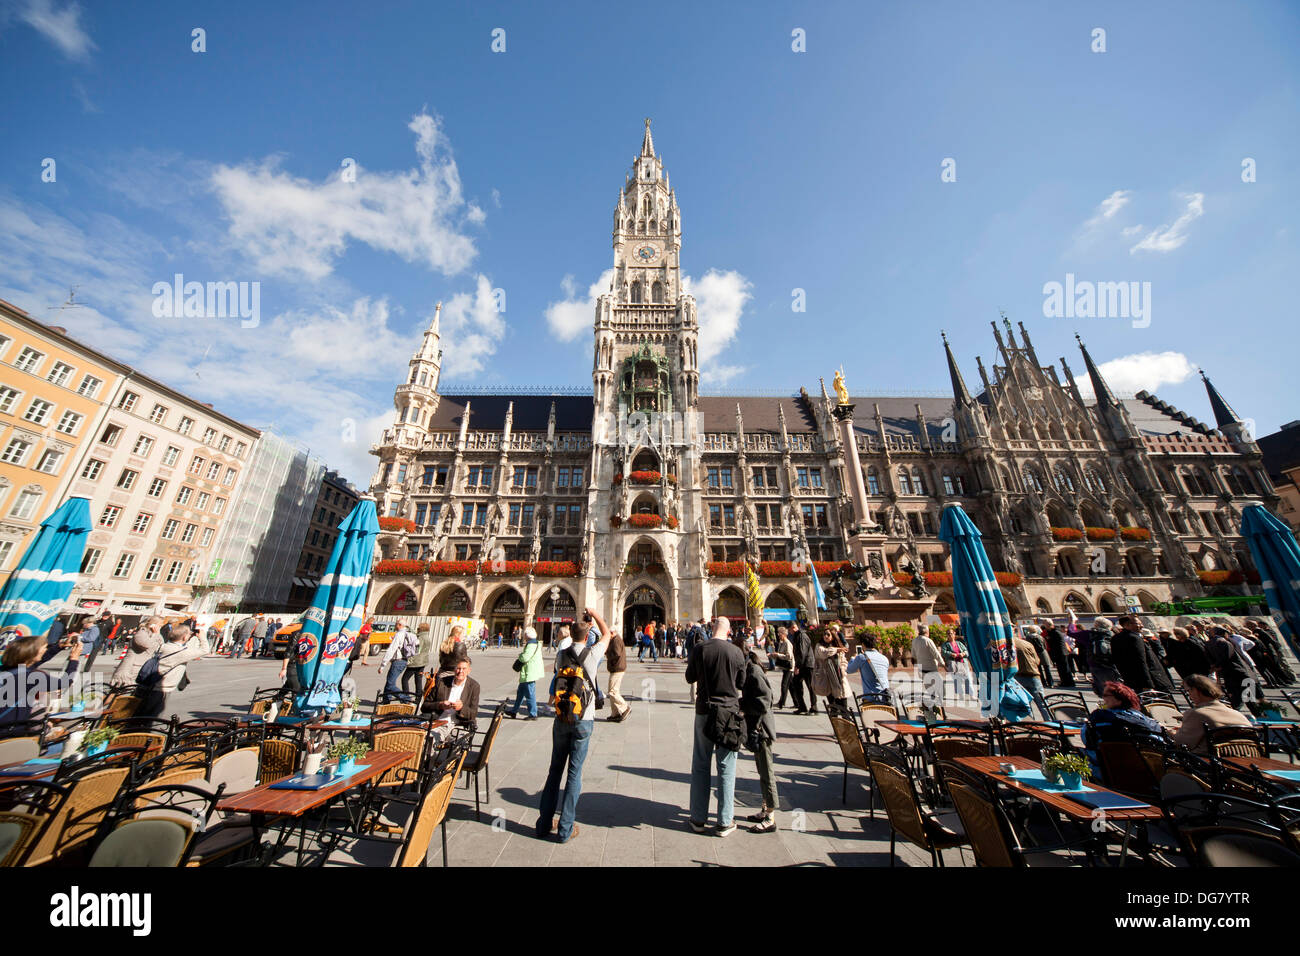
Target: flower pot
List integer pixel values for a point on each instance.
(272, 712)
(79, 707)
(1052, 775)
(346, 716)
(347, 765)
(311, 764)
(96, 749)
(1070, 781)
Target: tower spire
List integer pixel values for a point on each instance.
(959, 390)
(1100, 389)
(647, 144)
(1223, 413)
(429, 347)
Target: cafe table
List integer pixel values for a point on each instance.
(274, 801)
(1277, 771)
(1113, 807)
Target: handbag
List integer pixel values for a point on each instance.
(724, 727)
(517, 666)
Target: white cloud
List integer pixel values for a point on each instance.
(62, 27)
(471, 330)
(292, 225)
(1129, 231)
(571, 317)
(715, 376)
(720, 299)
(1144, 370)
(1109, 207)
(1169, 238)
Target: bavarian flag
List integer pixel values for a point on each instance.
(755, 596)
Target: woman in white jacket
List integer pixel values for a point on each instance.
(144, 644)
(180, 648)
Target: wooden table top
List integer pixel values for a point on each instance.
(294, 803)
(1265, 764)
(988, 766)
(914, 730)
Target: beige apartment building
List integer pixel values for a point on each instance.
(160, 469)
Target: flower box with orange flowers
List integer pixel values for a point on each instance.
(1135, 534)
(726, 569)
(1006, 579)
(396, 524)
(1100, 534)
(1220, 577)
(399, 567)
(504, 567)
(1067, 534)
(827, 567)
(644, 477)
(557, 569)
(645, 521)
(442, 569)
(671, 521)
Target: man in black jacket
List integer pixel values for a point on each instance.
(1186, 653)
(804, 663)
(1228, 664)
(1060, 655)
(717, 668)
(1131, 654)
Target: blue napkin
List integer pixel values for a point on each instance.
(315, 781)
(1036, 779)
(1284, 774)
(1104, 800)
(30, 768)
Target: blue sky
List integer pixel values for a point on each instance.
(818, 170)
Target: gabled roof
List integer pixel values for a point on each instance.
(532, 412)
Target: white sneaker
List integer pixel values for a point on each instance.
(726, 831)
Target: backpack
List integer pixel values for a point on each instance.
(410, 644)
(573, 687)
(149, 674)
(1101, 651)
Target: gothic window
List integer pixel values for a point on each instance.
(1180, 525)
(1166, 483)
(1006, 479)
(636, 293)
(904, 483)
(1063, 480)
(918, 483)
(873, 481)
(657, 293)
(1032, 481)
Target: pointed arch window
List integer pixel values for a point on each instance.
(1032, 481)
(1063, 480)
(904, 482)
(636, 293)
(657, 293)
(873, 481)
(918, 482)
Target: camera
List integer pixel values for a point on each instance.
(586, 618)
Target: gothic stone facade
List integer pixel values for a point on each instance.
(644, 482)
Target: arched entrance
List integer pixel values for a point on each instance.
(398, 599)
(643, 605)
(504, 612)
(731, 604)
(555, 607)
(781, 606)
(452, 600)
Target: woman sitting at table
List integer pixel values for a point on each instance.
(455, 695)
(1119, 719)
(1208, 712)
(25, 689)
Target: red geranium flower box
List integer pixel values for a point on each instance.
(1100, 534)
(452, 568)
(1135, 534)
(645, 521)
(1067, 534)
(396, 524)
(399, 567)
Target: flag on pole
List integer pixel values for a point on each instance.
(751, 586)
(817, 588)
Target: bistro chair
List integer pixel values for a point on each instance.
(1067, 707)
(853, 749)
(1196, 817)
(121, 707)
(144, 842)
(19, 749)
(872, 716)
(993, 840)
(152, 742)
(408, 849)
(89, 798)
(395, 709)
(236, 770)
(412, 739)
(262, 698)
(1243, 849)
(154, 825)
(477, 762)
(947, 742)
(1028, 742)
(1234, 742)
(277, 759)
(1125, 768)
(17, 830)
(893, 780)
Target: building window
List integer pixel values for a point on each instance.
(49, 463)
(89, 560)
(155, 568)
(108, 518)
(209, 436)
(60, 372)
(713, 478)
(219, 506)
(111, 434)
(196, 465)
(561, 476)
(69, 423)
(185, 425)
(28, 359)
(89, 386)
(187, 535)
(193, 573)
(8, 399)
(158, 415)
(725, 474)
(183, 496)
(143, 445)
(169, 529)
(904, 482)
(224, 443)
(92, 469)
(141, 523)
(174, 572)
(214, 471)
(202, 503)
(126, 480)
(170, 456)
(38, 411)
(156, 488)
(15, 452)
(127, 401)
(124, 564)
(25, 506)
(207, 538)
(240, 448)
(230, 477)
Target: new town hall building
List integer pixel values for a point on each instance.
(639, 499)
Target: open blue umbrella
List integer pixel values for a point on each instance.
(338, 605)
(985, 620)
(1277, 558)
(41, 583)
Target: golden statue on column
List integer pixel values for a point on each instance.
(841, 390)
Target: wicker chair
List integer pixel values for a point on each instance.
(1125, 768)
(872, 716)
(413, 739)
(478, 762)
(1198, 817)
(19, 749)
(144, 842)
(152, 742)
(1027, 742)
(278, 759)
(992, 839)
(78, 817)
(853, 750)
(1234, 742)
(17, 830)
(121, 707)
(893, 781)
(395, 709)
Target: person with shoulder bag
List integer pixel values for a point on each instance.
(417, 661)
(717, 668)
(760, 733)
(530, 668)
(167, 670)
(783, 658)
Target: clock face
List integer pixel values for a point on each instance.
(647, 253)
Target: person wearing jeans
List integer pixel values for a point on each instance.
(530, 670)
(395, 658)
(717, 668)
(569, 741)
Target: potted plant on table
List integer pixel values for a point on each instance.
(350, 704)
(1066, 770)
(347, 753)
(315, 754)
(97, 741)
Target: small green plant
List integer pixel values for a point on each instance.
(101, 735)
(345, 749)
(354, 702)
(1063, 763)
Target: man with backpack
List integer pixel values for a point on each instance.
(1101, 655)
(166, 670)
(717, 668)
(573, 697)
(400, 650)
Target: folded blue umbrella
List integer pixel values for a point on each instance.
(1277, 558)
(40, 585)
